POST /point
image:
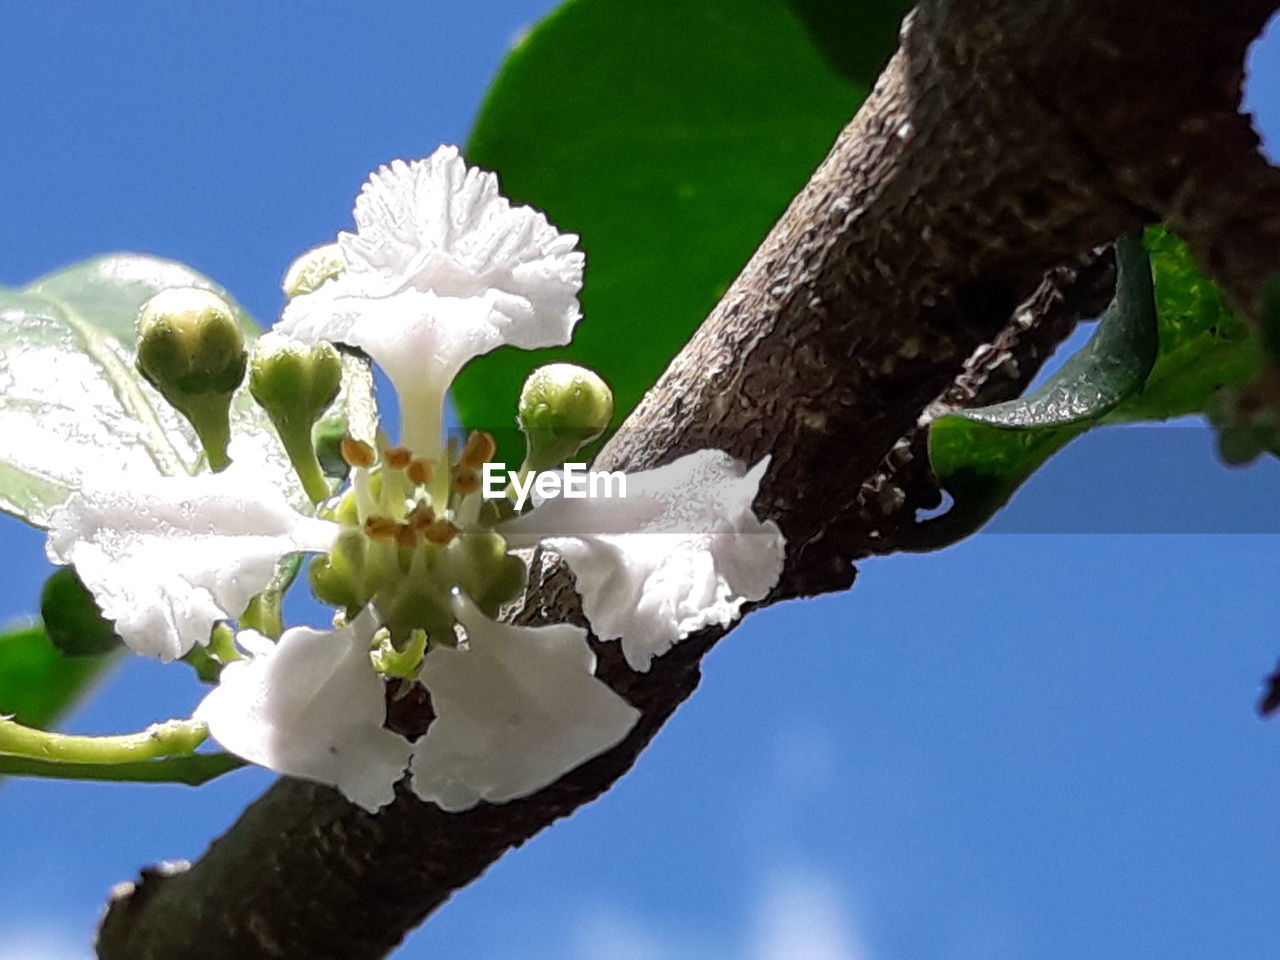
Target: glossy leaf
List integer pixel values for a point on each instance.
(1203, 346)
(1167, 348)
(669, 135)
(71, 402)
(982, 456)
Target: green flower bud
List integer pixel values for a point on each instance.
(191, 349)
(563, 407)
(295, 383)
(312, 269)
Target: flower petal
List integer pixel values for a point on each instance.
(442, 269)
(681, 551)
(167, 557)
(311, 706)
(515, 709)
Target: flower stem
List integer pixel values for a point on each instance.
(171, 738)
(210, 419)
(193, 770)
(302, 454)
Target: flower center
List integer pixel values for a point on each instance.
(407, 543)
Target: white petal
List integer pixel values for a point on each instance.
(682, 551)
(167, 557)
(311, 706)
(442, 269)
(516, 709)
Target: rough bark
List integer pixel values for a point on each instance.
(1005, 139)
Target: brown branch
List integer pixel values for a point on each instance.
(1006, 137)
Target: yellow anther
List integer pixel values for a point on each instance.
(357, 453)
(439, 531)
(381, 529)
(419, 473)
(479, 450)
(465, 479)
(421, 516)
(398, 458)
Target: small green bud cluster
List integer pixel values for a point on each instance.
(191, 348)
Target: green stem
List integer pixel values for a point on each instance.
(210, 417)
(302, 454)
(192, 770)
(173, 737)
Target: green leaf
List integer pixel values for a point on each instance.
(1167, 348)
(71, 402)
(1203, 346)
(71, 618)
(982, 456)
(670, 136)
(38, 684)
(110, 289)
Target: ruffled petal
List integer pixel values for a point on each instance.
(442, 269)
(167, 557)
(516, 708)
(311, 706)
(681, 551)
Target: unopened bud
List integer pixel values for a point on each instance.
(312, 269)
(295, 383)
(563, 407)
(191, 348)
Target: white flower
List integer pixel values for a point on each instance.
(517, 708)
(311, 706)
(167, 557)
(441, 269)
(682, 551)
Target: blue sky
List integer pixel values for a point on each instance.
(1034, 745)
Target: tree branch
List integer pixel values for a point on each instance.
(1005, 138)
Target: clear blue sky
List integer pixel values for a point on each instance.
(1035, 745)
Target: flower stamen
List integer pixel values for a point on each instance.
(357, 453)
(439, 531)
(381, 529)
(398, 458)
(479, 449)
(466, 480)
(419, 473)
